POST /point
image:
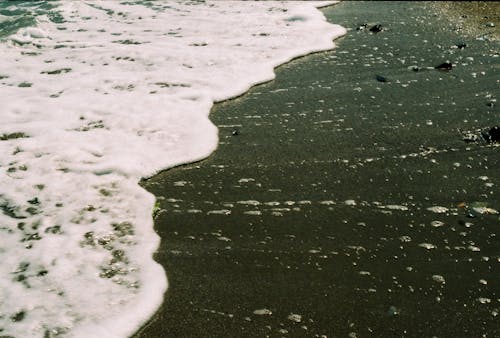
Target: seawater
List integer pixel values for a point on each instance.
(94, 96)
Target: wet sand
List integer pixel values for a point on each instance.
(312, 217)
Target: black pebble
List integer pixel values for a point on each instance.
(461, 45)
(444, 66)
(376, 28)
(494, 134)
(380, 78)
(361, 27)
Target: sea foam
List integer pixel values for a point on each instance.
(113, 92)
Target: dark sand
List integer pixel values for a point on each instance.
(326, 131)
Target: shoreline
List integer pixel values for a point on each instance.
(181, 246)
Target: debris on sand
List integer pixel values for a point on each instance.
(376, 28)
(492, 135)
(445, 66)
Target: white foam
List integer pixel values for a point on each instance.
(120, 94)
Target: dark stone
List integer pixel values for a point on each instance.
(381, 78)
(361, 27)
(492, 135)
(444, 66)
(376, 28)
(461, 45)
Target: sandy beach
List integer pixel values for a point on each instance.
(353, 196)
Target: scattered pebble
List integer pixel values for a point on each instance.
(219, 212)
(445, 66)
(253, 212)
(295, 318)
(262, 312)
(439, 279)
(485, 210)
(427, 246)
(438, 209)
(484, 300)
(376, 28)
(350, 202)
(394, 207)
(437, 224)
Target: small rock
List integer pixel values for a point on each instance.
(438, 209)
(381, 78)
(427, 246)
(262, 312)
(445, 66)
(361, 27)
(469, 137)
(438, 278)
(295, 317)
(461, 45)
(492, 135)
(350, 202)
(437, 224)
(376, 28)
(485, 210)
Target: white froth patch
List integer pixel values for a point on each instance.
(117, 92)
